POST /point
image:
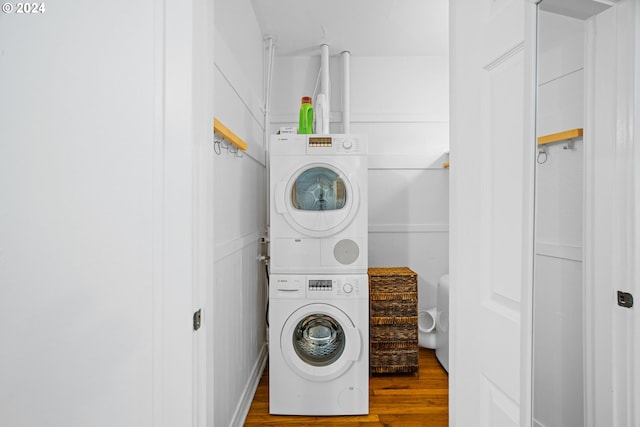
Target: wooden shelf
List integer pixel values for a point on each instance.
(560, 136)
(226, 133)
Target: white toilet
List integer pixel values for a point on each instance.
(433, 324)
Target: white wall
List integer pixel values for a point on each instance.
(558, 288)
(97, 219)
(401, 104)
(239, 331)
(76, 217)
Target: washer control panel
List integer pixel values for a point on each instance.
(323, 286)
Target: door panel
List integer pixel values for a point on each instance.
(503, 212)
(492, 146)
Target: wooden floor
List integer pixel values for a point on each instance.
(395, 401)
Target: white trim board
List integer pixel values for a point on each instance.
(408, 228)
(383, 117)
(434, 160)
(555, 250)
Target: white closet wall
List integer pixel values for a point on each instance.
(558, 288)
(239, 329)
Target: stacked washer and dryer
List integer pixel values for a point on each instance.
(319, 290)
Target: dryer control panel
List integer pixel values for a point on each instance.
(340, 144)
(337, 144)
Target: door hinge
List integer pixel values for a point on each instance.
(197, 318)
(625, 299)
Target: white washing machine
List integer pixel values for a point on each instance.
(318, 205)
(319, 345)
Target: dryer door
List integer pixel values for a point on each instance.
(319, 199)
(319, 342)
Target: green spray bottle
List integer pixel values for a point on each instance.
(306, 116)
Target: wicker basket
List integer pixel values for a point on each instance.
(385, 305)
(394, 357)
(393, 326)
(393, 280)
(392, 333)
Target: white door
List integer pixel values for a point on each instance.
(492, 148)
(76, 210)
(104, 216)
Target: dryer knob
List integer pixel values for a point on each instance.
(347, 144)
(347, 288)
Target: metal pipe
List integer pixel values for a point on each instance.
(267, 121)
(346, 92)
(324, 76)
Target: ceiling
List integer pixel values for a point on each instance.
(580, 9)
(363, 27)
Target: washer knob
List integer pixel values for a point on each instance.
(347, 288)
(347, 143)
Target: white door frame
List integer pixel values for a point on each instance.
(182, 212)
(612, 224)
(528, 252)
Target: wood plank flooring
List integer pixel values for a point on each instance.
(412, 400)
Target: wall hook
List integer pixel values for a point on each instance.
(543, 156)
(217, 145)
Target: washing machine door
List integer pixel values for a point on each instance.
(319, 342)
(319, 199)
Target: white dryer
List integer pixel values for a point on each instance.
(319, 345)
(318, 205)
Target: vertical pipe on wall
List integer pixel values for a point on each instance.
(267, 87)
(346, 93)
(268, 73)
(324, 77)
(267, 116)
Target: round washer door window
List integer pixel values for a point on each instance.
(319, 342)
(321, 200)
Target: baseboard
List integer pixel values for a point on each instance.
(243, 407)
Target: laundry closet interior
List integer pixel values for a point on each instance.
(398, 101)
(142, 227)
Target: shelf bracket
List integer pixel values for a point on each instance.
(228, 136)
(561, 136)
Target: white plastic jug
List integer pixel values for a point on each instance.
(322, 115)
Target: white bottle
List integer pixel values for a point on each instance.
(322, 115)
